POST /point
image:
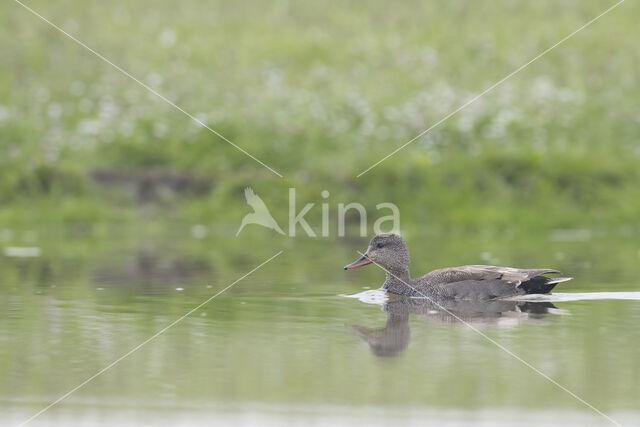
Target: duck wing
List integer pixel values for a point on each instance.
(484, 272)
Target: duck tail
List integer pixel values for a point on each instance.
(542, 284)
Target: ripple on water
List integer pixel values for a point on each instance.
(378, 296)
(372, 296)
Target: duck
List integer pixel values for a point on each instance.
(467, 282)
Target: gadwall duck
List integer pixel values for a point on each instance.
(468, 282)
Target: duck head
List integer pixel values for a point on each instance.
(387, 250)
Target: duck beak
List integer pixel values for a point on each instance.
(359, 263)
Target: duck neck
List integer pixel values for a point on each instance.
(398, 281)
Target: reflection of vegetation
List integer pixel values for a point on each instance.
(320, 93)
(603, 261)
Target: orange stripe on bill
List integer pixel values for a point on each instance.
(359, 263)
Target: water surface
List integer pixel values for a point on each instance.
(285, 346)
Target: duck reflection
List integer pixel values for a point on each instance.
(393, 339)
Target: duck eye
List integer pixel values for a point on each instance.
(379, 245)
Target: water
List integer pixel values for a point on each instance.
(284, 346)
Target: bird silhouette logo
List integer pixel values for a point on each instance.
(260, 214)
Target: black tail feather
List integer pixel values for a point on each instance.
(541, 284)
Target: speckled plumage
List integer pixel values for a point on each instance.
(467, 282)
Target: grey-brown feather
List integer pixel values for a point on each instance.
(482, 272)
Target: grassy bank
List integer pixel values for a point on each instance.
(320, 93)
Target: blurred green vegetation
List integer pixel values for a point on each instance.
(320, 92)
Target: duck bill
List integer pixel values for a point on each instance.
(359, 263)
